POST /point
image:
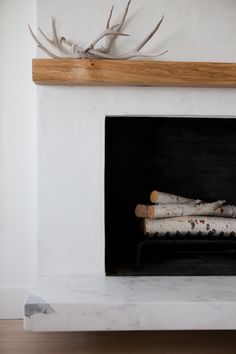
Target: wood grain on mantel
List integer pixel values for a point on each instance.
(133, 73)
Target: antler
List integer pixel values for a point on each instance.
(69, 49)
(136, 51)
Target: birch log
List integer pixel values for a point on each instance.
(192, 224)
(166, 198)
(172, 210)
(159, 211)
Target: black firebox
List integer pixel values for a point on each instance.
(194, 157)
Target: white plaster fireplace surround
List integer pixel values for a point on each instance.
(71, 290)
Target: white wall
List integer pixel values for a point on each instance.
(17, 156)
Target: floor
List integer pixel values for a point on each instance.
(14, 340)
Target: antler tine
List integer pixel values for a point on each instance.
(55, 37)
(124, 15)
(142, 44)
(110, 40)
(54, 31)
(55, 41)
(40, 45)
(109, 18)
(45, 36)
(58, 42)
(105, 33)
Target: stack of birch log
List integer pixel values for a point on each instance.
(175, 215)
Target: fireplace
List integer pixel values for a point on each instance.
(84, 238)
(193, 157)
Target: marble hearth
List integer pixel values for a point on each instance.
(71, 291)
(131, 303)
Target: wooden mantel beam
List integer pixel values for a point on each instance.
(133, 73)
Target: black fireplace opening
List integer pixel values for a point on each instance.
(194, 157)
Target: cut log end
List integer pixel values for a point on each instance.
(141, 211)
(154, 197)
(151, 211)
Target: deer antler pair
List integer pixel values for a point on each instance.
(69, 49)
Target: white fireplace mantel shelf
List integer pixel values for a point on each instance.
(131, 303)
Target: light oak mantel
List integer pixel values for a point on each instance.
(133, 73)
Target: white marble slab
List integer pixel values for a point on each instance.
(131, 303)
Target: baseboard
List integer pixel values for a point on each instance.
(12, 302)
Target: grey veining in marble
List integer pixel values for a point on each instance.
(36, 305)
(132, 303)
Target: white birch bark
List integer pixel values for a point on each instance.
(159, 211)
(226, 211)
(193, 224)
(166, 198)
